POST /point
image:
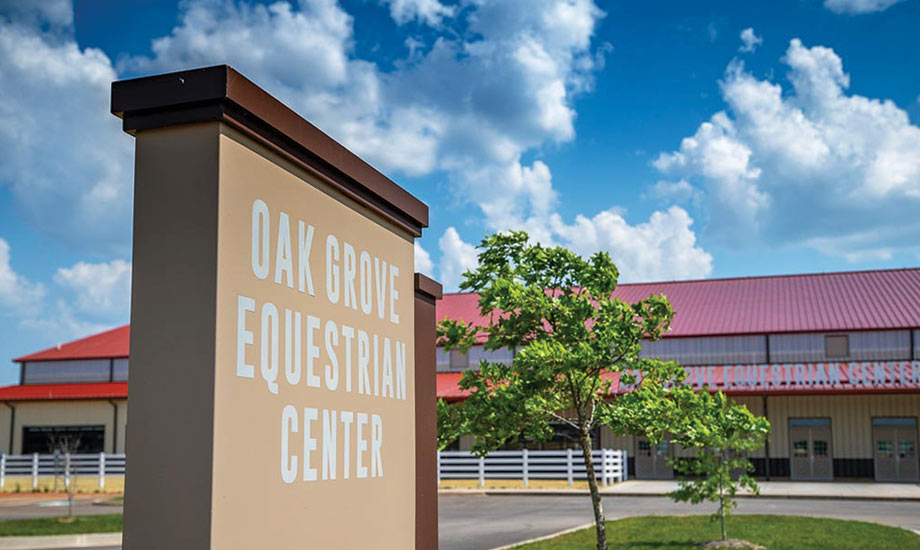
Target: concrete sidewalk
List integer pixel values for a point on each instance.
(769, 489)
(96, 540)
(788, 489)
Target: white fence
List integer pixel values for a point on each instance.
(609, 465)
(66, 466)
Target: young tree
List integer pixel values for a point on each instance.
(721, 433)
(65, 444)
(571, 340)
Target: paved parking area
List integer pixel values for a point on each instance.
(42, 506)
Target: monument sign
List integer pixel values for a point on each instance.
(282, 376)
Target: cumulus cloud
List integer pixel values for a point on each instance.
(99, 289)
(430, 12)
(809, 165)
(456, 257)
(749, 40)
(423, 262)
(663, 248)
(17, 294)
(66, 160)
(674, 192)
(859, 6)
(95, 297)
(469, 101)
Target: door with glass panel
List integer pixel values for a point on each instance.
(653, 461)
(895, 443)
(810, 451)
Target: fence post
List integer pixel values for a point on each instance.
(624, 465)
(525, 466)
(439, 467)
(482, 472)
(2, 470)
(604, 467)
(612, 461)
(568, 464)
(102, 470)
(34, 470)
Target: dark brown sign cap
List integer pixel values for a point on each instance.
(222, 94)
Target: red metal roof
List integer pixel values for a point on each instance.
(859, 300)
(48, 392)
(111, 343)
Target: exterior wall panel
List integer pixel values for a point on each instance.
(708, 351)
(851, 419)
(791, 348)
(62, 413)
(880, 345)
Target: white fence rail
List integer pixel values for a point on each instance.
(609, 465)
(35, 466)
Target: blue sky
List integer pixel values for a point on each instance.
(689, 139)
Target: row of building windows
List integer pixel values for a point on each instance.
(889, 345)
(84, 370)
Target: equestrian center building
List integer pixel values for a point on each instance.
(832, 360)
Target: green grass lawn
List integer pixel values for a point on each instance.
(108, 523)
(774, 532)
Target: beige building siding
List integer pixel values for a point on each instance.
(64, 413)
(628, 442)
(851, 419)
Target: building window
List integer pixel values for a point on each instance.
(459, 360)
(836, 346)
(62, 439)
(67, 371)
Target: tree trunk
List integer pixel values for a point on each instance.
(599, 525)
(721, 497)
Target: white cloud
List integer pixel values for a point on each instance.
(674, 192)
(423, 263)
(56, 13)
(859, 6)
(663, 248)
(478, 96)
(471, 101)
(94, 305)
(812, 165)
(456, 257)
(431, 12)
(66, 160)
(99, 289)
(17, 294)
(749, 40)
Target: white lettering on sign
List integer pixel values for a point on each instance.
(778, 377)
(294, 347)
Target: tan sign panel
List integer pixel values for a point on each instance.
(314, 391)
(276, 329)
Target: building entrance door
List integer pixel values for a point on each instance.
(810, 453)
(895, 442)
(654, 461)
